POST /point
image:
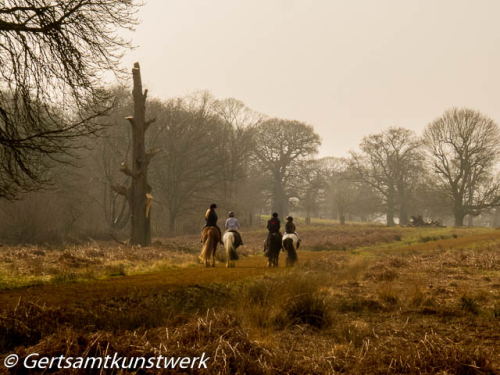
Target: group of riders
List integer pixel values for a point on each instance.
(232, 225)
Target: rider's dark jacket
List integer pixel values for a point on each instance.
(290, 227)
(211, 218)
(273, 225)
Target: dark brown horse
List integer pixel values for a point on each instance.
(273, 247)
(210, 237)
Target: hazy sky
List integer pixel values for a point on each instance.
(349, 68)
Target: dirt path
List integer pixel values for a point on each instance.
(68, 294)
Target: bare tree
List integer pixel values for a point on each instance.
(234, 147)
(53, 57)
(186, 172)
(463, 147)
(278, 144)
(310, 181)
(137, 193)
(341, 190)
(387, 162)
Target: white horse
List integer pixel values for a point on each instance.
(290, 242)
(229, 245)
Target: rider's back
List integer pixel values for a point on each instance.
(273, 225)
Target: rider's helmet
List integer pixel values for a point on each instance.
(289, 218)
(231, 214)
(275, 214)
(212, 206)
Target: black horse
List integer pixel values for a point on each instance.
(272, 248)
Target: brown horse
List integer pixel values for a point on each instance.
(210, 237)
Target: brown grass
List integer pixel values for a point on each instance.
(420, 308)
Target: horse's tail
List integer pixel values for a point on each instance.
(288, 244)
(208, 244)
(229, 240)
(290, 250)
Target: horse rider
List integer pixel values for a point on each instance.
(211, 219)
(232, 225)
(273, 226)
(290, 228)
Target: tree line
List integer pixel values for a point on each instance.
(63, 140)
(213, 150)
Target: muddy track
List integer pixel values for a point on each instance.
(92, 291)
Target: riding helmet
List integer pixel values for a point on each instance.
(213, 205)
(231, 214)
(289, 218)
(275, 214)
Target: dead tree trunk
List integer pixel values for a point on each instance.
(137, 194)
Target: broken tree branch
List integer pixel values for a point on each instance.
(151, 153)
(126, 170)
(131, 120)
(149, 122)
(119, 189)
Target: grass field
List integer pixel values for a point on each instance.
(364, 299)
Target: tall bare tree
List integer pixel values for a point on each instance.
(137, 193)
(278, 144)
(387, 163)
(54, 55)
(463, 147)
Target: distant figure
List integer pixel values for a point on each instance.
(211, 219)
(273, 245)
(233, 225)
(290, 228)
(273, 226)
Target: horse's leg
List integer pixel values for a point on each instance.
(213, 256)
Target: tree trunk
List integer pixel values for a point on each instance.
(403, 212)
(470, 221)
(278, 196)
(459, 216)
(390, 209)
(342, 218)
(171, 223)
(140, 227)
